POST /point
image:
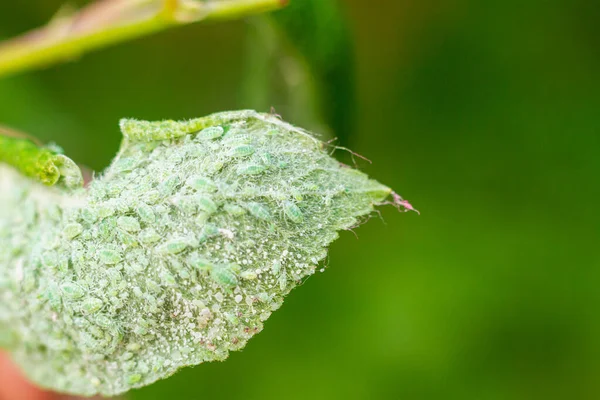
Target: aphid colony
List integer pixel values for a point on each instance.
(175, 256)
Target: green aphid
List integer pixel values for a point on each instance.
(105, 211)
(149, 236)
(168, 279)
(134, 378)
(252, 169)
(88, 216)
(72, 291)
(173, 246)
(106, 228)
(282, 282)
(152, 286)
(206, 204)
(169, 185)
(152, 197)
(293, 212)
(276, 267)
(109, 256)
(258, 210)
(201, 264)
(234, 209)
(128, 224)
(242, 151)
(103, 321)
(208, 231)
(146, 213)
(73, 230)
(201, 184)
(224, 275)
(91, 305)
(268, 159)
(210, 133)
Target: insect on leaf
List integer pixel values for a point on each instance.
(175, 256)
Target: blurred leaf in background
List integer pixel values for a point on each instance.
(484, 114)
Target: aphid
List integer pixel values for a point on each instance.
(149, 236)
(174, 246)
(88, 342)
(51, 294)
(201, 184)
(258, 210)
(109, 256)
(201, 264)
(168, 279)
(268, 159)
(242, 151)
(152, 286)
(152, 196)
(134, 378)
(72, 290)
(114, 275)
(183, 273)
(208, 231)
(234, 209)
(201, 218)
(105, 211)
(282, 282)
(186, 204)
(72, 230)
(224, 275)
(293, 212)
(88, 216)
(103, 321)
(129, 224)
(152, 303)
(206, 204)
(251, 169)
(168, 186)
(210, 133)
(276, 267)
(236, 135)
(95, 331)
(146, 214)
(91, 305)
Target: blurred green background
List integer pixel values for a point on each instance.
(486, 115)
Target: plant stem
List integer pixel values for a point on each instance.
(107, 22)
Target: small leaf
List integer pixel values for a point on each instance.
(176, 259)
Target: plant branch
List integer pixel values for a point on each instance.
(106, 22)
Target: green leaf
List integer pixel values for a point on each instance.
(175, 256)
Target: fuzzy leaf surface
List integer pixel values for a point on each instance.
(174, 256)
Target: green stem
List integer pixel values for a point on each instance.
(108, 22)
